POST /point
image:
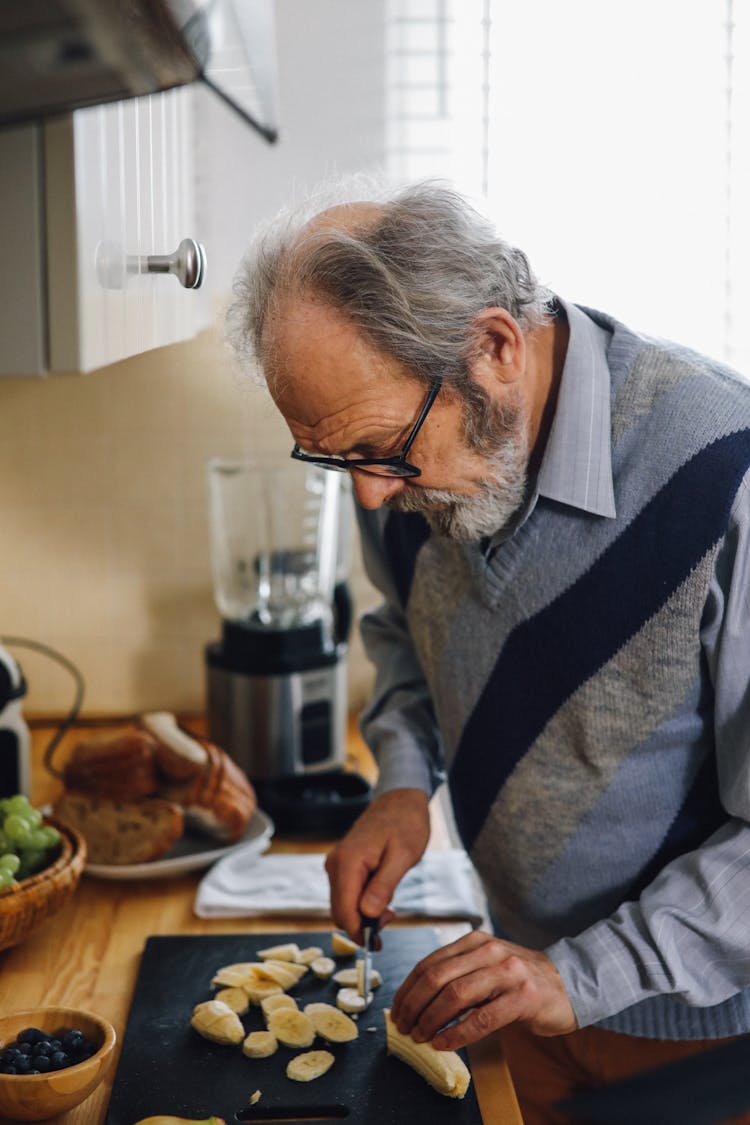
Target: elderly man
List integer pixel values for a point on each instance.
(557, 513)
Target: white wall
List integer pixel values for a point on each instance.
(102, 495)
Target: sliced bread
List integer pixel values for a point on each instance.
(122, 832)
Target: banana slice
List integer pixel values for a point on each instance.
(216, 1021)
(291, 1027)
(343, 946)
(288, 952)
(349, 978)
(309, 954)
(285, 973)
(272, 1003)
(259, 1045)
(259, 991)
(234, 998)
(350, 1000)
(304, 1068)
(254, 1098)
(323, 967)
(330, 1023)
(233, 976)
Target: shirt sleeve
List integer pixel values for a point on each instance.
(687, 933)
(399, 723)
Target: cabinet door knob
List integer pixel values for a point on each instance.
(188, 263)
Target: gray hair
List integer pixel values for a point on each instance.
(412, 280)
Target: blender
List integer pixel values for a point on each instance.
(276, 681)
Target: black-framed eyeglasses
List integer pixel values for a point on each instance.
(396, 466)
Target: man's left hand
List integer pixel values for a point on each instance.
(494, 982)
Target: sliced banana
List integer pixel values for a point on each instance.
(234, 998)
(331, 1023)
(216, 1021)
(254, 1097)
(259, 990)
(281, 1000)
(343, 946)
(309, 954)
(285, 973)
(291, 1027)
(349, 978)
(233, 976)
(323, 967)
(349, 1000)
(259, 1045)
(304, 1068)
(288, 952)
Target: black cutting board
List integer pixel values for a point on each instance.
(166, 1067)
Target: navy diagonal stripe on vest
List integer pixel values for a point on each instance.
(546, 658)
(403, 536)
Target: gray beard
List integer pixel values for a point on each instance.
(469, 518)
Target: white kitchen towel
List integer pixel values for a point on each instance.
(242, 884)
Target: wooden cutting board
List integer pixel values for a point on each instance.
(165, 1067)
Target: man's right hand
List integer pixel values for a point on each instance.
(367, 865)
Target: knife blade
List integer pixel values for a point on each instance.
(369, 932)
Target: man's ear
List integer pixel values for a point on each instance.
(499, 352)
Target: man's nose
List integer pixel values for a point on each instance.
(372, 491)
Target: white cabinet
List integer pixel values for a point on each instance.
(117, 189)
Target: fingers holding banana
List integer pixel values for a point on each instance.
(460, 993)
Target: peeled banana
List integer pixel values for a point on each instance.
(310, 1065)
(284, 973)
(291, 1027)
(445, 1071)
(216, 1021)
(330, 1023)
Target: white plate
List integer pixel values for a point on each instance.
(191, 853)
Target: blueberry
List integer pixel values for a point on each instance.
(7, 1068)
(22, 1064)
(25, 1048)
(55, 1044)
(10, 1054)
(33, 1071)
(59, 1060)
(42, 1048)
(30, 1035)
(42, 1063)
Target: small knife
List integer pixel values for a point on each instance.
(369, 933)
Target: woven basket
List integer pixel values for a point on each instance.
(34, 900)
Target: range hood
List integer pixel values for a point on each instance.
(61, 55)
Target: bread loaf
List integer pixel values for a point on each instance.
(121, 766)
(122, 832)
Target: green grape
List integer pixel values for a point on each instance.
(17, 829)
(31, 861)
(6, 879)
(37, 840)
(18, 804)
(9, 862)
(5, 844)
(50, 836)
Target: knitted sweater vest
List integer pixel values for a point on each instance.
(565, 669)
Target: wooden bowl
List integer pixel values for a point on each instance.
(36, 1097)
(34, 900)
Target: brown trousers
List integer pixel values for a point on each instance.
(548, 1070)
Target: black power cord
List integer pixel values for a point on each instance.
(70, 718)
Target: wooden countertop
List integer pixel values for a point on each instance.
(88, 955)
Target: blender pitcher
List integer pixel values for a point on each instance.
(276, 683)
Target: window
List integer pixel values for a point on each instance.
(610, 141)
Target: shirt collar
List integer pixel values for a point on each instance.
(576, 466)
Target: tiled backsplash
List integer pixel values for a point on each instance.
(103, 505)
